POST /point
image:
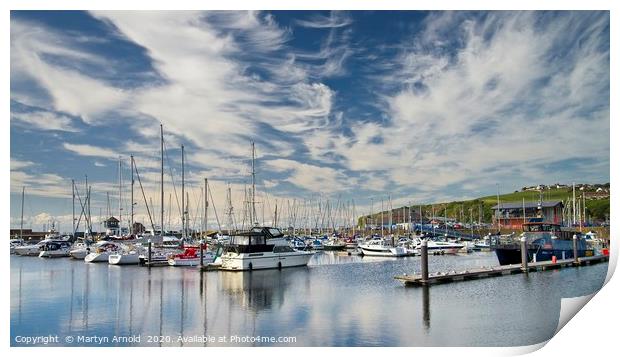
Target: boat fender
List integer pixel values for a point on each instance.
(250, 266)
(279, 265)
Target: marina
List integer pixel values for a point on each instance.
(312, 178)
(337, 300)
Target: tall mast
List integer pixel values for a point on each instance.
(161, 127)
(132, 202)
(73, 205)
(381, 217)
(120, 204)
(499, 223)
(574, 208)
(206, 221)
(253, 194)
(183, 192)
(187, 212)
(87, 213)
(21, 224)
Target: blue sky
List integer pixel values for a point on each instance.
(424, 106)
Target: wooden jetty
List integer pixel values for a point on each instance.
(486, 272)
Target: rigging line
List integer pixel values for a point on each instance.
(172, 179)
(83, 206)
(135, 166)
(217, 219)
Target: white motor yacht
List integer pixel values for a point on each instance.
(380, 248)
(31, 249)
(16, 242)
(55, 249)
(440, 247)
(251, 251)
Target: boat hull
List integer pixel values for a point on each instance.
(54, 253)
(334, 247)
(384, 252)
(79, 254)
(191, 262)
(266, 260)
(124, 259)
(31, 251)
(97, 257)
(508, 256)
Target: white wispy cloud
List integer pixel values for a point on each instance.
(69, 90)
(335, 19)
(90, 150)
(45, 121)
(504, 99)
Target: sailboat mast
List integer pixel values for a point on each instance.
(253, 208)
(381, 217)
(499, 223)
(183, 191)
(574, 208)
(206, 221)
(161, 127)
(87, 213)
(120, 205)
(21, 222)
(132, 202)
(73, 205)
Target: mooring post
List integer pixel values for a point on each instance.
(201, 253)
(524, 256)
(424, 260)
(575, 255)
(150, 251)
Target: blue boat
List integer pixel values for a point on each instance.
(544, 241)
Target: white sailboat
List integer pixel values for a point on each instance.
(101, 252)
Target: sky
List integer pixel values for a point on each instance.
(342, 106)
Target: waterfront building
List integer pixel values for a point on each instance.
(514, 214)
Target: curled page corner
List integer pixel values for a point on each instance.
(523, 350)
(613, 261)
(569, 307)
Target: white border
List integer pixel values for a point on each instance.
(590, 332)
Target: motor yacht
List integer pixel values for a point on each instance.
(251, 251)
(55, 249)
(380, 248)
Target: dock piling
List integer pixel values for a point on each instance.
(424, 260)
(575, 255)
(201, 253)
(524, 255)
(150, 253)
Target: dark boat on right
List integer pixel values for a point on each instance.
(544, 241)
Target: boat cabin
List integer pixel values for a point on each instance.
(548, 228)
(254, 240)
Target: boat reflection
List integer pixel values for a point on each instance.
(258, 290)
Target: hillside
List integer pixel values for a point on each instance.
(481, 208)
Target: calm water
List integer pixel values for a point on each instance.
(337, 300)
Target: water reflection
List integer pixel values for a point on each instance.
(426, 307)
(257, 290)
(340, 300)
